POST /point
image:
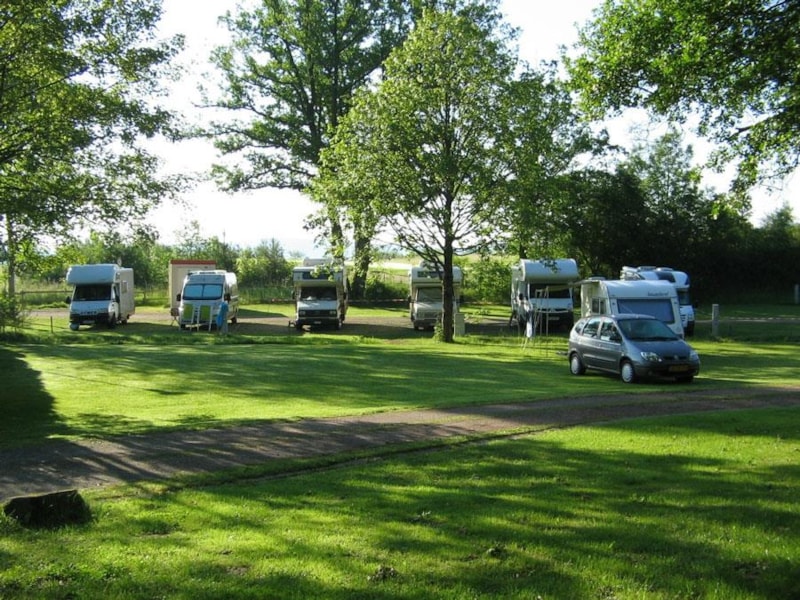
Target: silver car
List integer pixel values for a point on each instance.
(633, 346)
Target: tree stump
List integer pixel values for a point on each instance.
(55, 509)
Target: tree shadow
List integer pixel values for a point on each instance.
(27, 406)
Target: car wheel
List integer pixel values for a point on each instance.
(627, 372)
(576, 366)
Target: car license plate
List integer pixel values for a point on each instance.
(678, 368)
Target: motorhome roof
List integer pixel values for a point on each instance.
(621, 287)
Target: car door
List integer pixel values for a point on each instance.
(609, 346)
(589, 342)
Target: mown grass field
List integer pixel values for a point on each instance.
(700, 506)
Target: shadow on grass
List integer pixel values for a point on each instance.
(619, 510)
(25, 403)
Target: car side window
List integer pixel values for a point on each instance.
(608, 332)
(590, 330)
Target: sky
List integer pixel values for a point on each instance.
(247, 219)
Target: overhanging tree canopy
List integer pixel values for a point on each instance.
(75, 99)
(734, 64)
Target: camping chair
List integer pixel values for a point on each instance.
(188, 314)
(204, 316)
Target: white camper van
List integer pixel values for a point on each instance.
(201, 296)
(541, 290)
(102, 293)
(320, 293)
(178, 270)
(678, 278)
(618, 297)
(425, 302)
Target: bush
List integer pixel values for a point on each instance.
(12, 315)
(487, 280)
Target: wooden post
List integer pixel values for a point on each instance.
(715, 320)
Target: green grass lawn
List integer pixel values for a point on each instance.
(682, 507)
(122, 381)
(701, 506)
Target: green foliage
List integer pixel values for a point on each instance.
(418, 151)
(543, 138)
(487, 280)
(263, 265)
(734, 65)
(78, 83)
(12, 315)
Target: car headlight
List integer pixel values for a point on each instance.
(693, 355)
(651, 357)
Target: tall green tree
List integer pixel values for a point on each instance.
(677, 209)
(287, 78)
(604, 220)
(420, 149)
(76, 99)
(545, 138)
(735, 65)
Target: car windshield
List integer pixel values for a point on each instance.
(646, 329)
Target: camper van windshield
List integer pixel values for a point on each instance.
(432, 294)
(92, 292)
(660, 308)
(536, 290)
(318, 293)
(202, 291)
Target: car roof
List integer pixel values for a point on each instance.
(623, 317)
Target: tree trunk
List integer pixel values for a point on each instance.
(447, 293)
(11, 259)
(361, 259)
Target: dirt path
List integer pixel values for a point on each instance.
(94, 463)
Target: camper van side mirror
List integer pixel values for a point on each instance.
(178, 297)
(227, 297)
(67, 300)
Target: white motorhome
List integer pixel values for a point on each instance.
(178, 270)
(102, 293)
(616, 297)
(678, 278)
(426, 304)
(541, 291)
(320, 293)
(202, 294)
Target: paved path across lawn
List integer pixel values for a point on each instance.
(128, 459)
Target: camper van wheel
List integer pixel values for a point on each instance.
(627, 372)
(112, 321)
(338, 323)
(74, 326)
(576, 366)
(298, 326)
(234, 320)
